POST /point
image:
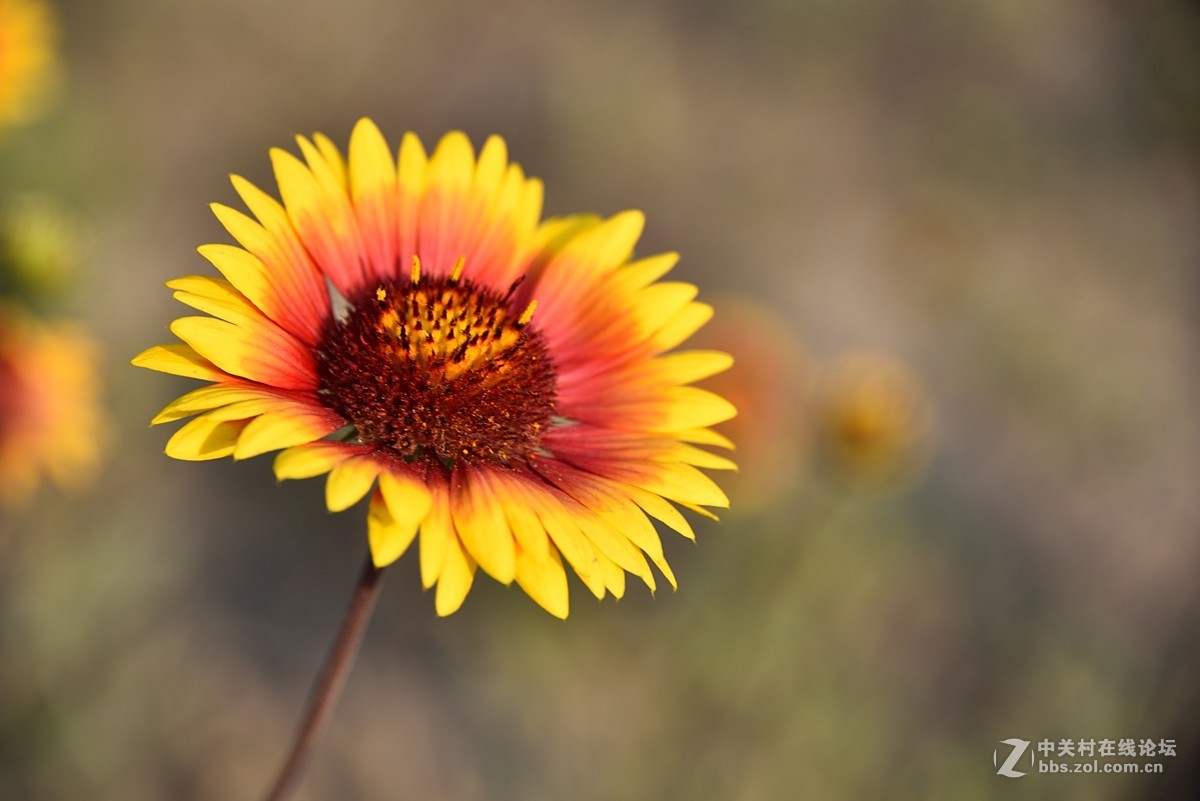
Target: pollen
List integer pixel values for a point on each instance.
(527, 315)
(440, 367)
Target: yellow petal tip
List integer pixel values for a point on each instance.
(383, 560)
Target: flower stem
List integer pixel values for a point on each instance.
(328, 688)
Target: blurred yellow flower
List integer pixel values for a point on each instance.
(874, 416)
(29, 63)
(50, 421)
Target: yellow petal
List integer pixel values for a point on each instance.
(510, 198)
(373, 192)
(331, 176)
(332, 156)
(203, 400)
(678, 451)
(276, 241)
(250, 234)
(643, 272)
(553, 234)
(447, 207)
(321, 214)
(489, 172)
(283, 429)
(388, 537)
(408, 499)
(625, 517)
(614, 576)
(451, 165)
(614, 545)
(205, 438)
(528, 531)
(298, 186)
(273, 271)
(569, 540)
(217, 297)
(691, 365)
(479, 520)
(411, 165)
(178, 359)
(688, 321)
(208, 286)
(436, 533)
(261, 353)
(681, 482)
(659, 304)
(243, 270)
(528, 210)
(704, 436)
(691, 407)
(307, 461)
(410, 186)
(700, 510)
(454, 582)
(349, 481)
(247, 409)
(545, 582)
(601, 249)
(269, 211)
(660, 509)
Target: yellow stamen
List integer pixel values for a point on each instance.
(381, 294)
(456, 273)
(527, 315)
(416, 269)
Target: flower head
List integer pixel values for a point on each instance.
(499, 385)
(771, 390)
(50, 423)
(28, 58)
(874, 415)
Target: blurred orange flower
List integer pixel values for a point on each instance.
(50, 421)
(769, 388)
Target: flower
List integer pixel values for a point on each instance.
(50, 423)
(770, 389)
(28, 58)
(498, 384)
(874, 417)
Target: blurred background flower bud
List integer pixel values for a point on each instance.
(873, 416)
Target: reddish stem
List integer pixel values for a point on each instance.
(328, 689)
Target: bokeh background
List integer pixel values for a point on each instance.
(954, 247)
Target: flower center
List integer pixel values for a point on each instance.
(440, 367)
